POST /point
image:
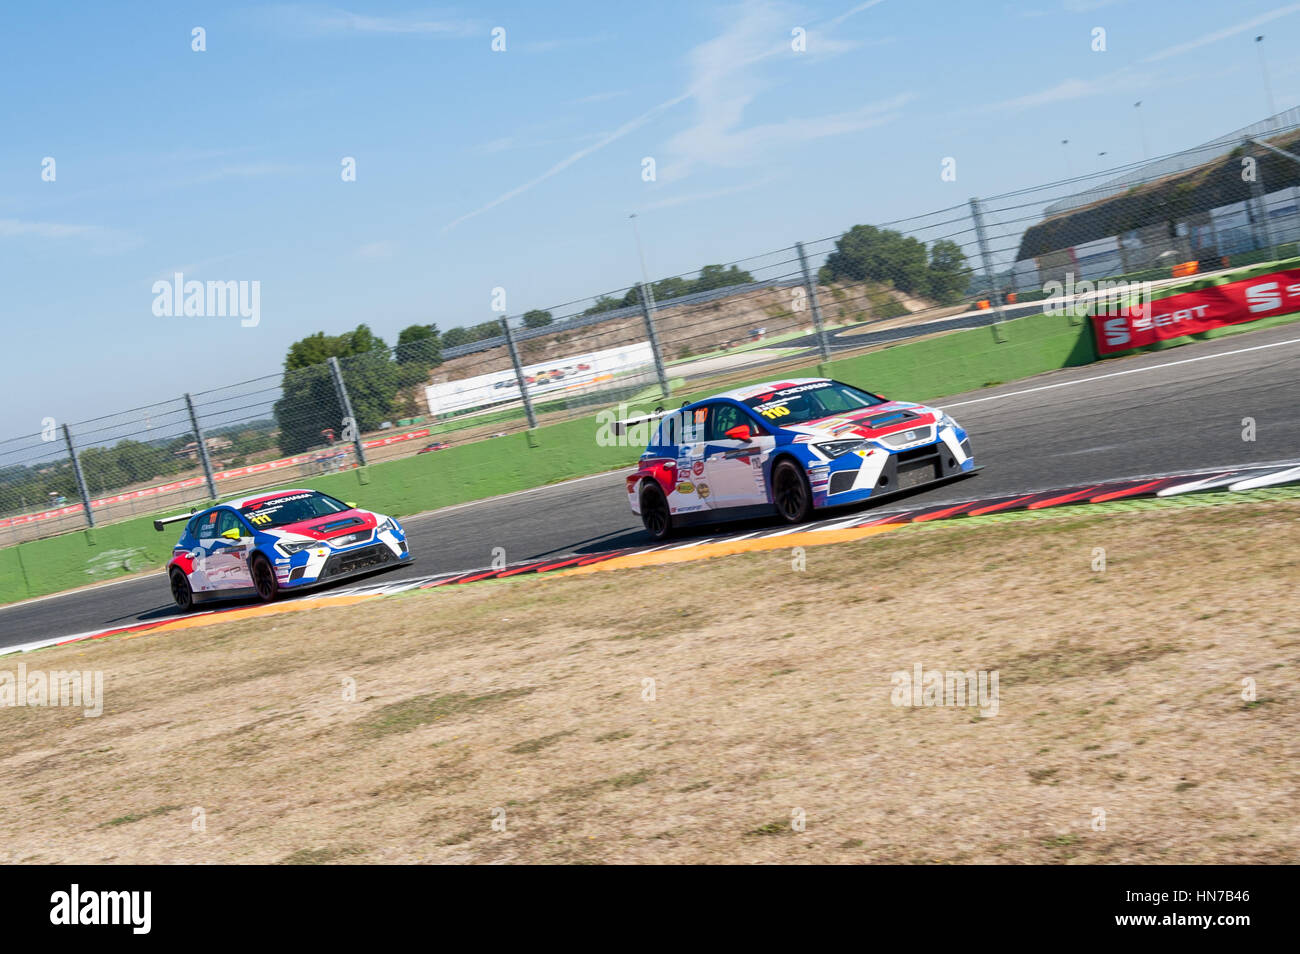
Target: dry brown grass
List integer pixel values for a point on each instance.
(1120, 691)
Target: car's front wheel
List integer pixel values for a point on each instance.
(655, 516)
(181, 591)
(791, 493)
(264, 580)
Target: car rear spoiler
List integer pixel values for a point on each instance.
(620, 427)
(162, 522)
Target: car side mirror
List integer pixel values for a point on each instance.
(232, 534)
(350, 503)
(739, 433)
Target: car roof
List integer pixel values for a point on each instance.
(257, 498)
(754, 390)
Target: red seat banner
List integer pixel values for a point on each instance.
(1122, 328)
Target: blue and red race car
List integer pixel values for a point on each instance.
(270, 542)
(792, 446)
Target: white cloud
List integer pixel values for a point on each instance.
(100, 239)
(546, 46)
(526, 140)
(724, 145)
(726, 81)
(1119, 81)
(853, 11)
(250, 170)
(374, 250)
(15, 228)
(332, 20)
(193, 270)
(704, 196)
(600, 97)
(722, 85)
(1087, 6)
(496, 145)
(1222, 34)
(569, 160)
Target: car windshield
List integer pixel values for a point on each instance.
(291, 508)
(801, 403)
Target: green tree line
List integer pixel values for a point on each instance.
(711, 277)
(126, 463)
(867, 253)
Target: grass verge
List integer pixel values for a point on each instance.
(399, 730)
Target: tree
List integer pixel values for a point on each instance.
(454, 337)
(418, 351)
(866, 253)
(537, 318)
(319, 348)
(949, 276)
(309, 402)
(603, 303)
(710, 277)
(715, 276)
(419, 345)
(485, 330)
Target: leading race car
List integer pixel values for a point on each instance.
(269, 542)
(794, 446)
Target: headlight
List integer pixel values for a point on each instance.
(945, 420)
(390, 524)
(290, 547)
(835, 449)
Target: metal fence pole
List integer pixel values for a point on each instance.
(203, 447)
(519, 373)
(823, 345)
(647, 313)
(987, 259)
(81, 479)
(349, 419)
(1261, 213)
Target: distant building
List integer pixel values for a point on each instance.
(191, 450)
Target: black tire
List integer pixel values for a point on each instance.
(264, 581)
(791, 494)
(181, 591)
(655, 516)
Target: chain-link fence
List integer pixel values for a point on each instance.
(1230, 202)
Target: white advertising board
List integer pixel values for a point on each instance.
(575, 372)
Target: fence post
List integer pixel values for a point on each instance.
(81, 480)
(349, 419)
(823, 346)
(203, 447)
(519, 374)
(647, 313)
(1257, 194)
(987, 259)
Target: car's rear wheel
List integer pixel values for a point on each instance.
(791, 493)
(655, 516)
(264, 580)
(181, 591)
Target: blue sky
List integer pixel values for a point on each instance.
(518, 169)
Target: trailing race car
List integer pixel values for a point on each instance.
(288, 540)
(796, 446)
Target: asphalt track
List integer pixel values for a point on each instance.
(1181, 409)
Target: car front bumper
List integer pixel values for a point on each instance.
(854, 477)
(383, 552)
